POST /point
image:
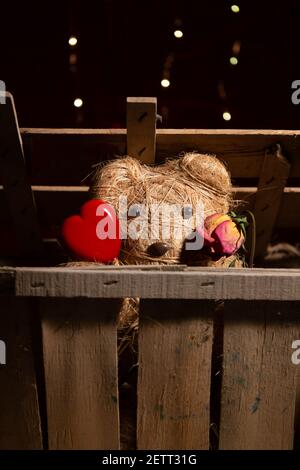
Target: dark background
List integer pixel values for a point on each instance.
(123, 50)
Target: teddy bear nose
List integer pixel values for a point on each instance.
(157, 249)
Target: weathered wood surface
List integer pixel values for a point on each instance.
(73, 151)
(242, 150)
(273, 177)
(80, 361)
(297, 409)
(288, 214)
(186, 283)
(141, 128)
(18, 193)
(20, 427)
(175, 344)
(259, 379)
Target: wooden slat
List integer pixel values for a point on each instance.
(14, 179)
(141, 128)
(20, 426)
(68, 157)
(242, 150)
(259, 386)
(80, 360)
(199, 283)
(289, 214)
(297, 411)
(274, 174)
(175, 344)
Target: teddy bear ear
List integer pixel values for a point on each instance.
(206, 169)
(116, 178)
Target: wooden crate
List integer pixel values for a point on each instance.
(59, 388)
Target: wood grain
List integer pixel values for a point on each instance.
(18, 192)
(259, 379)
(47, 150)
(273, 177)
(175, 344)
(198, 283)
(243, 151)
(80, 360)
(20, 426)
(141, 128)
(297, 410)
(288, 215)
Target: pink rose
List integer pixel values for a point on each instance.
(222, 235)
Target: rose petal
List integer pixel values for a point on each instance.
(208, 240)
(228, 238)
(212, 221)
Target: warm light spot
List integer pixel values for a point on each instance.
(235, 8)
(165, 83)
(226, 116)
(73, 41)
(178, 33)
(233, 61)
(78, 103)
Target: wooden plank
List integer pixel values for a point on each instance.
(13, 176)
(273, 178)
(175, 344)
(259, 379)
(20, 426)
(243, 151)
(199, 283)
(297, 409)
(75, 152)
(80, 360)
(289, 214)
(141, 128)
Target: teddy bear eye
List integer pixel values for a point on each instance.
(187, 212)
(133, 212)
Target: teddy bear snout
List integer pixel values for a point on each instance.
(158, 249)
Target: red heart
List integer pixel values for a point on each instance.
(94, 234)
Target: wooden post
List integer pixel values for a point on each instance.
(141, 128)
(259, 378)
(80, 361)
(175, 345)
(274, 173)
(20, 426)
(17, 188)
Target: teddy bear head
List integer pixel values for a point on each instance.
(159, 206)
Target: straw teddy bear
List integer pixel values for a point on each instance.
(194, 183)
